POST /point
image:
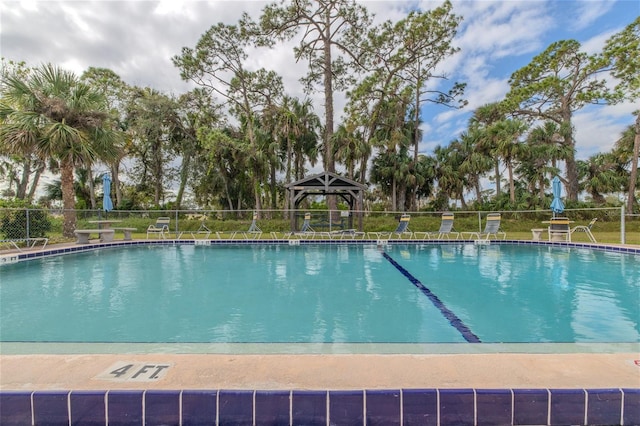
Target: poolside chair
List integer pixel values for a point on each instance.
(491, 227)
(253, 233)
(586, 229)
(559, 229)
(160, 228)
(401, 230)
(446, 229)
(305, 232)
(347, 234)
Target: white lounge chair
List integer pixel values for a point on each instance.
(305, 232)
(253, 233)
(160, 228)
(586, 229)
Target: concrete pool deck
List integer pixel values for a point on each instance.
(304, 371)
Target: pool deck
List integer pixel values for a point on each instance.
(324, 371)
(352, 371)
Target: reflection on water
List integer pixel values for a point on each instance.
(509, 293)
(316, 294)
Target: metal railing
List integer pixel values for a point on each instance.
(23, 223)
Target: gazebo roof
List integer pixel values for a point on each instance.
(326, 183)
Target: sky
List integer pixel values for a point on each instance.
(137, 39)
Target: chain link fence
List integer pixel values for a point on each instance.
(612, 226)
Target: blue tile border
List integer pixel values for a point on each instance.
(319, 407)
(50, 408)
(420, 407)
(15, 408)
(494, 406)
(88, 407)
(309, 407)
(605, 406)
(530, 406)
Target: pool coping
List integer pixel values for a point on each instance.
(67, 248)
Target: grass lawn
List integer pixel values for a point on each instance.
(516, 229)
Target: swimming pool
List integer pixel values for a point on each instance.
(324, 294)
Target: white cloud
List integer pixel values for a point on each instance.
(588, 11)
(136, 39)
(500, 29)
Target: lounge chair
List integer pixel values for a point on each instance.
(160, 228)
(586, 229)
(401, 230)
(559, 229)
(305, 231)
(28, 243)
(349, 234)
(446, 229)
(253, 233)
(491, 227)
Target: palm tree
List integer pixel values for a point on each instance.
(475, 162)
(600, 174)
(61, 118)
(451, 179)
(506, 134)
(308, 128)
(627, 149)
(350, 147)
(483, 118)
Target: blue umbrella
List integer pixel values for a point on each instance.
(107, 204)
(556, 204)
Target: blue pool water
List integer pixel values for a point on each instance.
(324, 294)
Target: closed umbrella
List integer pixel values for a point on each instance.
(556, 204)
(107, 204)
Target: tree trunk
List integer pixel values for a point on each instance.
(92, 190)
(289, 157)
(363, 169)
(68, 198)
(394, 204)
(34, 183)
(512, 186)
(329, 160)
(256, 191)
(274, 194)
(463, 203)
(402, 197)
(541, 189)
(633, 176)
(184, 175)
(115, 176)
(21, 190)
(570, 160)
(497, 171)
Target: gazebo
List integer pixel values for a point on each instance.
(327, 183)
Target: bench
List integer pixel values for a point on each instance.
(127, 232)
(106, 235)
